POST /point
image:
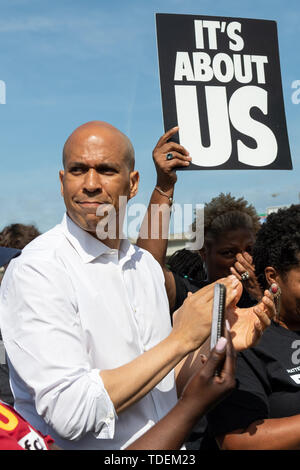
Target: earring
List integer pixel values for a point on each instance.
(276, 291)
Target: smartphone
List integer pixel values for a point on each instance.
(218, 315)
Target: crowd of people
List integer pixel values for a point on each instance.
(106, 343)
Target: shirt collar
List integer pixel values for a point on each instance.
(89, 247)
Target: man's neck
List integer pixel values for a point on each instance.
(113, 243)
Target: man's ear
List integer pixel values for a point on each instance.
(61, 177)
(134, 183)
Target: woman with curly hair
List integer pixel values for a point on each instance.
(264, 410)
(230, 227)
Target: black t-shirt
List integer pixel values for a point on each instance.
(268, 383)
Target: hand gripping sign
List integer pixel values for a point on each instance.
(221, 84)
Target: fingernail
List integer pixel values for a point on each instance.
(221, 344)
(227, 325)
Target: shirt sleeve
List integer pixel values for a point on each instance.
(247, 403)
(45, 344)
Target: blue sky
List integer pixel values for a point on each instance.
(65, 62)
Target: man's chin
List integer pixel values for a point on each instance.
(89, 224)
(100, 227)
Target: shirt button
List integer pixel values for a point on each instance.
(111, 415)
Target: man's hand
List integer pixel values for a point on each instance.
(206, 389)
(244, 263)
(192, 321)
(248, 324)
(166, 174)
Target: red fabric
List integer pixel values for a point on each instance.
(18, 434)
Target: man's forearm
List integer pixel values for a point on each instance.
(127, 384)
(191, 326)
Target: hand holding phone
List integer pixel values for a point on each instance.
(218, 316)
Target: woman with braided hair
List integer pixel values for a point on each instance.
(188, 264)
(264, 410)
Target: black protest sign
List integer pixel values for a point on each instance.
(221, 84)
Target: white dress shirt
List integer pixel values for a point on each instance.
(69, 307)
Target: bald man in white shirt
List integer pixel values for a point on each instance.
(85, 322)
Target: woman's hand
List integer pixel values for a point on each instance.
(165, 169)
(243, 265)
(206, 389)
(248, 324)
(192, 321)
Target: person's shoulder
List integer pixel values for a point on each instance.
(44, 247)
(43, 253)
(41, 263)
